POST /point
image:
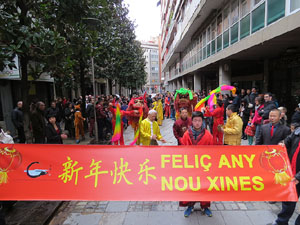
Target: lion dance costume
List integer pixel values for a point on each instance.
(184, 99)
(135, 106)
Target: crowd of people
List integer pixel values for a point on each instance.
(244, 115)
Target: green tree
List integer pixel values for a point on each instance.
(23, 34)
(61, 36)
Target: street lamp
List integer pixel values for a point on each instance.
(94, 90)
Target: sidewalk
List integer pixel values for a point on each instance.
(165, 213)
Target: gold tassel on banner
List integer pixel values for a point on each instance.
(3, 177)
(282, 178)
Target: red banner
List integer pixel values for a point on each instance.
(139, 173)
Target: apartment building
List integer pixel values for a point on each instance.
(151, 54)
(205, 43)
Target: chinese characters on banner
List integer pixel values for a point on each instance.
(139, 173)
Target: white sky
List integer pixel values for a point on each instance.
(146, 15)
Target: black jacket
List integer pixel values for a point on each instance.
(53, 112)
(38, 123)
(236, 102)
(52, 136)
(279, 135)
(90, 111)
(296, 117)
(252, 98)
(264, 112)
(18, 118)
(292, 143)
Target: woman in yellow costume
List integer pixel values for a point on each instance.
(158, 107)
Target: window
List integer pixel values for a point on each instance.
(245, 27)
(258, 18)
(213, 31)
(219, 25)
(234, 33)
(213, 47)
(204, 38)
(244, 7)
(219, 43)
(208, 35)
(226, 39)
(276, 10)
(226, 18)
(256, 2)
(295, 4)
(234, 12)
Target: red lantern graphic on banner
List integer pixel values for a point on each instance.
(273, 161)
(10, 159)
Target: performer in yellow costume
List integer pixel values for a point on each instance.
(157, 106)
(150, 132)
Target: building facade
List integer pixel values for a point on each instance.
(41, 89)
(206, 43)
(151, 54)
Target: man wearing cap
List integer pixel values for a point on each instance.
(150, 132)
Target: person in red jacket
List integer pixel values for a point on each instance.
(167, 106)
(218, 116)
(197, 135)
(181, 125)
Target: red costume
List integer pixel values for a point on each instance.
(136, 104)
(218, 115)
(167, 107)
(180, 127)
(205, 138)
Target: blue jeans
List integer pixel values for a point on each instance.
(286, 213)
(257, 130)
(172, 113)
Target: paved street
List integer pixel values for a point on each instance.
(164, 213)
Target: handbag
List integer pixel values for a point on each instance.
(6, 138)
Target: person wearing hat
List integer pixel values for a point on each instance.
(78, 123)
(54, 134)
(150, 132)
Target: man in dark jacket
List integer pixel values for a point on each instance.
(253, 95)
(268, 106)
(273, 132)
(101, 117)
(38, 123)
(18, 121)
(90, 112)
(292, 143)
(296, 115)
(236, 100)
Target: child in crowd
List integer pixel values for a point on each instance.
(250, 131)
